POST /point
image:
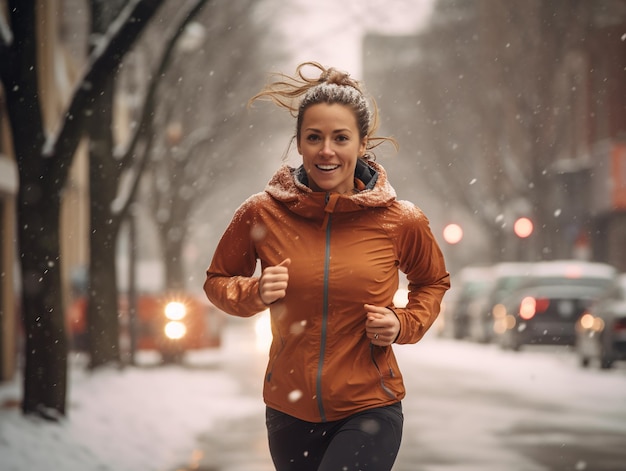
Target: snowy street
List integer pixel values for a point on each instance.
(469, 407)
(476, 407)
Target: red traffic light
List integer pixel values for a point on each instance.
(523, 227)
(452, 233)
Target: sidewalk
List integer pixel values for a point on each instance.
(240, 443)
(149, 417)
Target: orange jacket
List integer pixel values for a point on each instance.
(345, 251)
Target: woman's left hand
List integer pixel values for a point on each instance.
(381, 325)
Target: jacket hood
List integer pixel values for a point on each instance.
(290, 186)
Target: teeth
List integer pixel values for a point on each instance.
(327, 167)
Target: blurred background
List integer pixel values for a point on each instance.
(126, 143)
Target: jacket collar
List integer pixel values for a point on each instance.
(290, 186)
(365, 176)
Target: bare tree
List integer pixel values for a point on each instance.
(108, 207)
(203, 120)
(43, 167)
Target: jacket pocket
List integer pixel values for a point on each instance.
(272, 363)
(383, 367)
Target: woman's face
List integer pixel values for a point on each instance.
(330, 146)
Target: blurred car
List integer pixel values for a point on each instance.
(169, 323)
(543, 314)
(601, 333)
(466, 286)
(556, 273)
(506, 278)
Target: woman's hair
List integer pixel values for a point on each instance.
(296, 94)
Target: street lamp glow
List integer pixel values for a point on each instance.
(523, 227)
(452, 233)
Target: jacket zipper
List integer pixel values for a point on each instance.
(320, 364)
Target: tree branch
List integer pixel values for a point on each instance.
(106, 55)
(155, 79)
(150, 102)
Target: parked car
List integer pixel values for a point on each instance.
(510, 276)
(506, 277)
(598, 276)
(543, 314)
(601, 333)
(466, 286)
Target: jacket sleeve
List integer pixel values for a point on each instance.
(230, 284)
(421, 259)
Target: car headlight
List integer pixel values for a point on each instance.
(591, 323)
(175, 310)
(175, 330)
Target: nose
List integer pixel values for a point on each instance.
(326, 150)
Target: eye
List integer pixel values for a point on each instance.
(342, 138)
(312, 138)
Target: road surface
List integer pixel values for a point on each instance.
(469, 407)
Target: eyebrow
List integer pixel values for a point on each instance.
(334, 131)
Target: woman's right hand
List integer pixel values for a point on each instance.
(273, 282)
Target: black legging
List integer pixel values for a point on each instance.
(368, 440)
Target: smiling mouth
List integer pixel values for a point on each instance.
(327, 167)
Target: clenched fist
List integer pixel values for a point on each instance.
(381, 325)
(273, 282)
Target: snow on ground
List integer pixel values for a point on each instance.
(139, 418)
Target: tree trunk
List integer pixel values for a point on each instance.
(38, 207)
(102, 306)
(45, 371)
